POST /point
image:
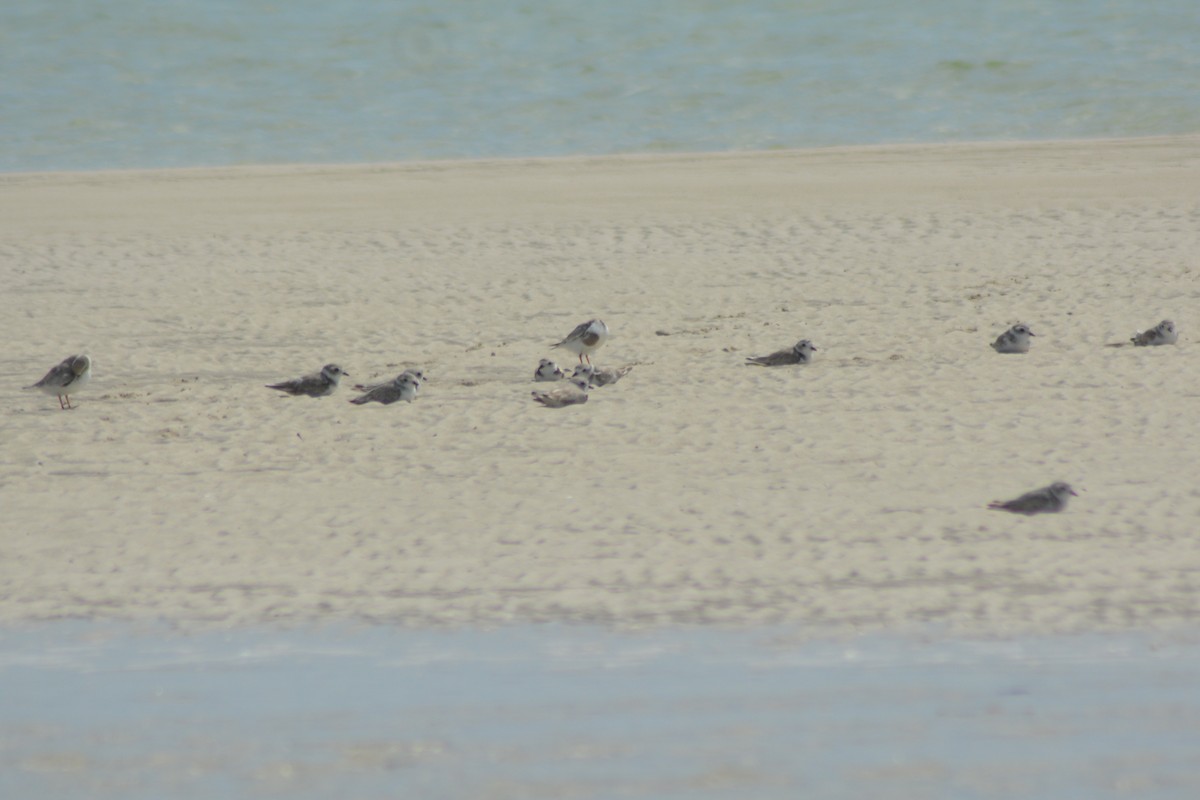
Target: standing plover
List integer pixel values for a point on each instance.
(570, 393)
(1047, 499)
(415, 374)
(404, 387)
(585, 339)
(800, 353)
(547, 370)
(1013, 340)
(66, 378)
(1162, 333)
(318, 384)
(600, 376)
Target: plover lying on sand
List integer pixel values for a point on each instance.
(571, 393)
(600, 376)
(66, 378)
(585, 339)
(1048, 499)
(415, 374)
(1013, 340)
(800, 353)
(318, 384)
(547, 370)
(404, 387)
(1162, 333)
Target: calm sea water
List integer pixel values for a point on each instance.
(165, 83)
(106, 711)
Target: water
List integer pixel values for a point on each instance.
(104, 710)
(156, 83)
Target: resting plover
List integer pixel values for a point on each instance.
(1013, 340)
(1048, 499)
(570, 393)
(585, 339)
(404, 387)
(1162, 333)
(415, 374)
(800, 353)
(547, 370)
(600, 376)
(318, 384)
(66, 378)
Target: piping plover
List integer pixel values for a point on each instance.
(1162, 333)
(404, 387)
(318, 384)
(1039, 501)
(1013, 340)
(801, 353)
(66, 378)
(547, 370)
(415, 374)
(585, 339)
(600, 376)
(570, 393)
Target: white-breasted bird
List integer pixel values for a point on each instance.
(65, 378)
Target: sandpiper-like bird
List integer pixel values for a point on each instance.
(404, 387)
(1048, 499)
(800, 353)
(1013, 340)
(547, 370)
(318, 384)
(600, 376)
(66, 378)
(1162, 333)
(571, 393)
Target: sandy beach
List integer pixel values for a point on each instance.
(848, 494)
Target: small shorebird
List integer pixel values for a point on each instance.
(800, 353)
(1162, 333)
(1013, 340)
(415, 374)
(1048, 499)
(66, 378)
(585, 339)
(600, 376)
(547, 370)
(318, 384)
(571, 393)
(404, 387)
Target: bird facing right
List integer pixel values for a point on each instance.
(404, 387)
(800, 353)
(1013, 340)
(65, 378)
(1162, 333)
(571, 392)
(318, 384)
(1049, 499)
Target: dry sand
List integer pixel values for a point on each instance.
(846, 495)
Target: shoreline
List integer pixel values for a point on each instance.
(846, 495)
(878, 148)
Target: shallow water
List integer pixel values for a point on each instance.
(107, 710)
(136, 83)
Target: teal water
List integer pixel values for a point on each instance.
(166, 83)
(110, 711)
